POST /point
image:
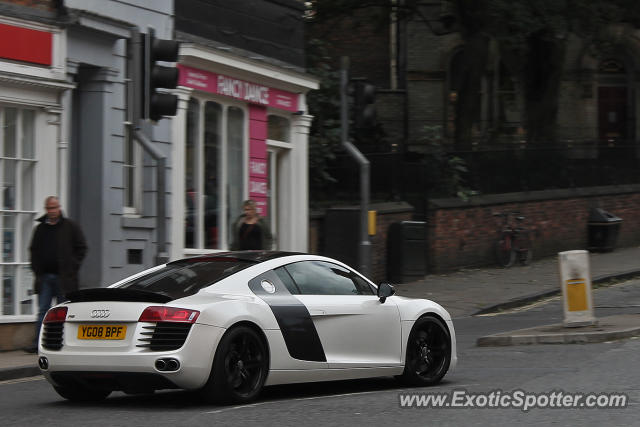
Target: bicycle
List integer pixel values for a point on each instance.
(514, 242)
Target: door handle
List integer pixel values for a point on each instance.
(314, 312)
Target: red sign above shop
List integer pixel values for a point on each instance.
(26, 45)
(239, 89)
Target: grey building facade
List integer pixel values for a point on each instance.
(65, 100)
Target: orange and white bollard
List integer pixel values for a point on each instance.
(575, 280)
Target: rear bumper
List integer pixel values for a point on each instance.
(120, 369)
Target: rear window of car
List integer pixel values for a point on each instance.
(186, 277)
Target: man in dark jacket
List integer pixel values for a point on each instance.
(57, 250)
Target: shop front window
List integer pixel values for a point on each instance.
(214, 173)
(278, 145)
(17, 163)
(212, 137)
(278, 129)
(235, 165)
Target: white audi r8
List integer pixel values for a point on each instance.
(229, 323)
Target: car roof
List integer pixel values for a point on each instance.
(247, 256)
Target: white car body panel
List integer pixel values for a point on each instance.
(357, 331)
(361, 336)
(195, 358)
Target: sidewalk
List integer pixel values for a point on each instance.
(473, 291)
(479, 290)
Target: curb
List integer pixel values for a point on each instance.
(19, 372)
(619, 328)
(518, 302)
(568, 338)
(526, 300)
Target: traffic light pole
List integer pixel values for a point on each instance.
(364, 251)
(139, 129)
(161, 215)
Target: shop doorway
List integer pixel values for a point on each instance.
(276, 195)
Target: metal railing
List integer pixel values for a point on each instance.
(493, 170)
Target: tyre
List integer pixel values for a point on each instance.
(240, 368)
(505, 255)
(82, 394)
(428, 353)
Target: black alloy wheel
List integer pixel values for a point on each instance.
(240, 367)
(428, 353)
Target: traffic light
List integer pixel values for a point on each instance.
(364, 108)
(156, 103)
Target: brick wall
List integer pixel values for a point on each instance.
(386, 215)
(14, 336)
(463, 234)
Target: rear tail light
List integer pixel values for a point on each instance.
(56, 314)
(168, 314)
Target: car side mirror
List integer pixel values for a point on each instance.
(385, 290)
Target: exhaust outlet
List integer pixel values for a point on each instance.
(161, 365)
(43, 363)
(172, 365)
(167, 365)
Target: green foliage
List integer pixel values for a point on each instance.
(324, 104)
(445, 172)
(531, 36)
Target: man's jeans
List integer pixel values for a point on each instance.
(49, 289)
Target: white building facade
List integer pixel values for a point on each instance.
(241, 133)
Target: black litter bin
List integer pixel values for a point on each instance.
(406, 251)
(604, 228)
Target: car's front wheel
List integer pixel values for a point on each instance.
(82, 394)
(240, 367)
(428, 353)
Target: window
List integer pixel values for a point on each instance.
(182, 278)
(17, 178)
(325, 278)
(212, 166)
(278, 142)
(191, 202)
(287, 280)
(278, 129)
(235, 164)
(215, 158)
(132, 158)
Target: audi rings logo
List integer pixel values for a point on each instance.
(100, 314)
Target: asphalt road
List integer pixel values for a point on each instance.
(593, 368)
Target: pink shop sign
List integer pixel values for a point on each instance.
(238, 89)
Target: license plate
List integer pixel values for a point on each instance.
(102, 332)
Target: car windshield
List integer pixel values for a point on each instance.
(183, 278)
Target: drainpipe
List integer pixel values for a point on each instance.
(161, 215)
(364, 250)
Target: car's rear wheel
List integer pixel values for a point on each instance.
(240, 367)
(82, 394)
(428, 353)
